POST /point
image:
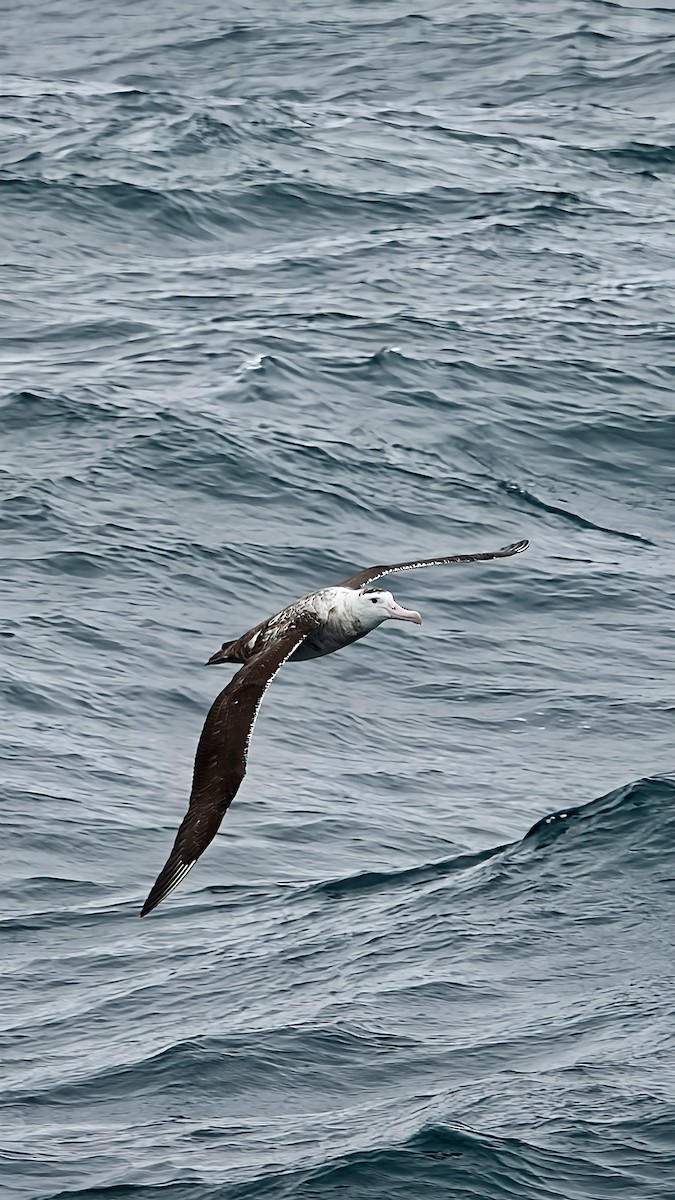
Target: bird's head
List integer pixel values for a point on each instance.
(373, 606)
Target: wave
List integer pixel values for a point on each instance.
(645, 807)
(436, 1156)
(26, 409)
(369, 880)
(431, 1159)
(514, 489)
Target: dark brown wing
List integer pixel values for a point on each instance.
(220, 762)
(370, 573)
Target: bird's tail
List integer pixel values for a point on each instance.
(229, 652)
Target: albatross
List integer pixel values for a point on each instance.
(317, 624)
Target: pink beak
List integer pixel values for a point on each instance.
(397, 613)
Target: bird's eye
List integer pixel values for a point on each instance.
(374, 600)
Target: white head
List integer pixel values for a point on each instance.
(373, 606)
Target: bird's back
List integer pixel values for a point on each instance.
(337, 628)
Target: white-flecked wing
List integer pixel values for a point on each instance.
(220, 762)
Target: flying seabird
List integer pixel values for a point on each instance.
(317, 624)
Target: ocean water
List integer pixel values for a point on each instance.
(287, 290)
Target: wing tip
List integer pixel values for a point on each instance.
(516, 547)
(168, 879)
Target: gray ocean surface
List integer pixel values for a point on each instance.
(287, 290)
